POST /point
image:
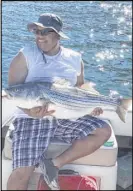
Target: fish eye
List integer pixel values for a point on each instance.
(16, 90)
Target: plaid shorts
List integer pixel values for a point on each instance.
(31, 137)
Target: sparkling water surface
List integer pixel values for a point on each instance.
(100, 30)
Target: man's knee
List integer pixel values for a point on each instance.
(19, 178)
(104, 132)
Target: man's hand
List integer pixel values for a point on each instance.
(37, 112)
(97, 111)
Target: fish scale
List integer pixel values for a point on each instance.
(75, 100)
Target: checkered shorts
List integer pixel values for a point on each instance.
(31, 137)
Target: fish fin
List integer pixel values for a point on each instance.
(45, 101)
(126, 103)
(89, 88)
(123, 108)
(121, 113)
(62, 82)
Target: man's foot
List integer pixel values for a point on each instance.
(50, 173)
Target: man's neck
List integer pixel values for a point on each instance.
(54, 50)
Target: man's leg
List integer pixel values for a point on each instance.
(30, 139)
(86, 146)
(19, 178)
(86, 134)
(79, 148)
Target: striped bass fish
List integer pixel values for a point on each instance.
(67, 101)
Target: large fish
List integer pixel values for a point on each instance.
(67, 101)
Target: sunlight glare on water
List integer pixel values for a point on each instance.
(100, 30)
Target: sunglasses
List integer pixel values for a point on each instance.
(42, 32)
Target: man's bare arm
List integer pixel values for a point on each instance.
(18, 70)
(80, 81)
(80, 78)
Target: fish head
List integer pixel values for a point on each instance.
(16, 92)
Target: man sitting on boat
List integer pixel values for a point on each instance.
(31, 135)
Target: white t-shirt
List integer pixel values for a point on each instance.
(66, 64)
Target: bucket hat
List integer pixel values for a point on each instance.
(48, 20)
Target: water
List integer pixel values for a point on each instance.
(100, 30)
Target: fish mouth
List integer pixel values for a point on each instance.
(7, 94)
(10, 96)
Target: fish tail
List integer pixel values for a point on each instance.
(122, 109)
